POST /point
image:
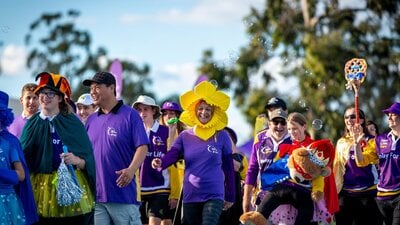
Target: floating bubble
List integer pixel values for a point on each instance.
(322, 86)
(302, 103)
(308, 73)
(317, 124)
(214, 82)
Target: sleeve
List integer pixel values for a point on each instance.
(253, 168)
(369, 154)
(227, 167)
(174, 154)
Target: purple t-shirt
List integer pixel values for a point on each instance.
(208, 166)
(389, 162)
(17, 126)
(262, 155)
(358, 180)
(115, 137)
(154, 181)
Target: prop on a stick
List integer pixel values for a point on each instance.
(355, 73)
(68, 190)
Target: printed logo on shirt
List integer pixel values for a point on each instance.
(111, 131)
(266, 150)
(212, 149)
(158, 141)
(383, 144)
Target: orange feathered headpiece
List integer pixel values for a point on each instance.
(208, 92)
(55, 82)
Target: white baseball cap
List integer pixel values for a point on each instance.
(85, 99)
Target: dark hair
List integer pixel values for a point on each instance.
(370, 122)
(232, 134)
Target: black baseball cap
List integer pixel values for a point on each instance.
(275, 102)
(101, 78)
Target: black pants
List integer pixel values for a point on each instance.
(281, 195)
(231, 216)
(390, 210)
(358, 210)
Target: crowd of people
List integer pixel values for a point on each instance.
(101, 161)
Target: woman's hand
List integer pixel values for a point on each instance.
(227, 205)
(156, 163)
(357, 133)
(71, 159)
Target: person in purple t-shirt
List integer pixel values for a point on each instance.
(154, 184)
(356, 186)
(209, 185)
(384, 150)
(30, 105)
(120, 145)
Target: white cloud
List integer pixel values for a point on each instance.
(206, 12)
(174, 78)
(274, 67)
(13, 60)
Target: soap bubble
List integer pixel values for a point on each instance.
(317, 124)
(322, 86)
(302, 103)
(214, 82)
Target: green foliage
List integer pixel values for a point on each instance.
(313, 40)
(57, 45)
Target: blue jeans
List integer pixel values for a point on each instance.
(202, 213)
(117, 214)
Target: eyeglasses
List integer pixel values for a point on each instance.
(352, 116)
(276, 122)
(49, 94)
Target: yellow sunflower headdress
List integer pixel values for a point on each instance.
(208, 92)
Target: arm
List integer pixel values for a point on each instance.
(126, 175)
(368, 154)
(247, 193)
(19, 169)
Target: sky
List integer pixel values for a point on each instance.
(168, 35)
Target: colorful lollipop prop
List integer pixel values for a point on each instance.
(355, 72)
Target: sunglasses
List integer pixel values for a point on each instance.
(276, 122)
(352, 116)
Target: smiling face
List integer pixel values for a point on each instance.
(49, 101)
(394, 121)
(204, 112)
(84, 111)
(102, 94)
(30, 103)
(350, 118)
(296, 131)
(278, 128)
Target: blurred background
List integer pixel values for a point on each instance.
(253, 49)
